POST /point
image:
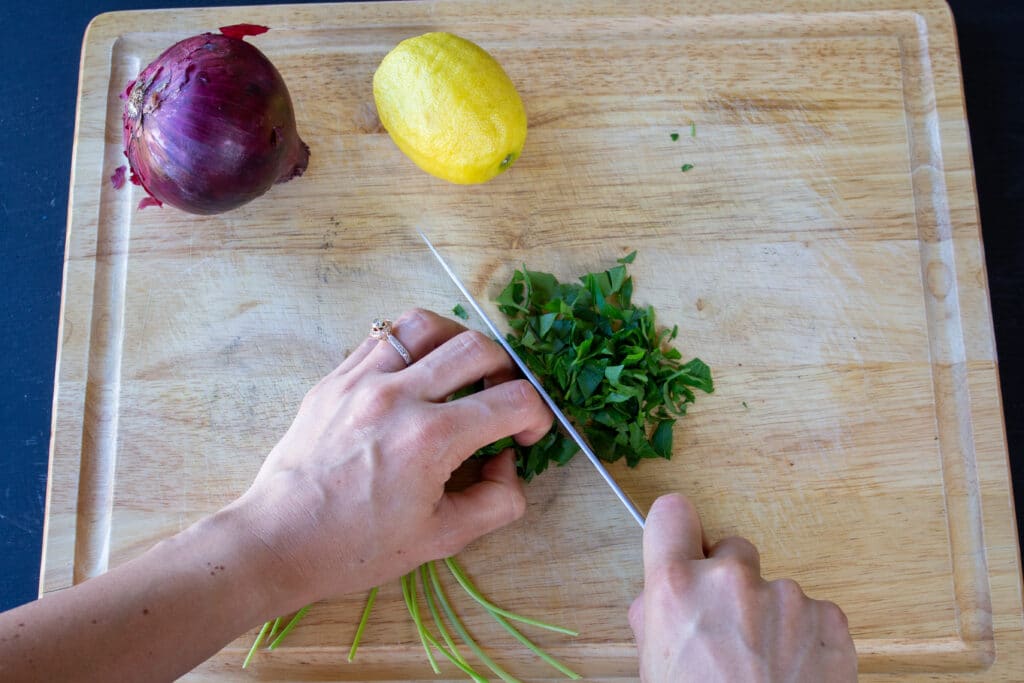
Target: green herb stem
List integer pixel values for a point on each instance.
(462, 665)
(290, 625)
(409, 593)
(428, 595)
(273, 629)
(362, 623)
(256, 644)
(536, 649)
(461, 629)
(468, 586)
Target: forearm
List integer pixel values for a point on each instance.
(153, 618)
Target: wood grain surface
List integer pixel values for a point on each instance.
(823, 256)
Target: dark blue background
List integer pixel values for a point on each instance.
(41, 41)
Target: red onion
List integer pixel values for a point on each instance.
(209, 125)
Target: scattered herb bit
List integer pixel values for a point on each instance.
(362, 624)
(273, 629)
(693, 129)
(674, 136)
(460, 312)
(604, 362)
(745, 404)
(256, 644)
(685, 167)
(288, 629)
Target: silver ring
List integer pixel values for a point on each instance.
(381, 329)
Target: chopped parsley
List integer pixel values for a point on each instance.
(604, 362)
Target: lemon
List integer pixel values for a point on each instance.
(450, 107)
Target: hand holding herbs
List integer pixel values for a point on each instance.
(354, 493)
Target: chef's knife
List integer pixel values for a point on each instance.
(559, 415)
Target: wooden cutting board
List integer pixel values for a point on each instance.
(823, 255)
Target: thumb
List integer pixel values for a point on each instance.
(491, 503)
(672, 533)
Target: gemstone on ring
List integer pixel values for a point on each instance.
(381, 329)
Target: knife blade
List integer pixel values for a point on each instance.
(532, 379)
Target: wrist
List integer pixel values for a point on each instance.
(275, 541)
(231, 563)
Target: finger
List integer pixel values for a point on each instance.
(358, 354)
(672, 533)
(506, 373)
(459, 362)
(636, 617)
(491, 503)
(508, 409)
(738, 549)
(419, 331)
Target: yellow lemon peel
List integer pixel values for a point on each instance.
(450, 107)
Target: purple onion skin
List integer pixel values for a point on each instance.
(209, 126)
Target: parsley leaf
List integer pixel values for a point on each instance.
(460, 312)
(604, 361)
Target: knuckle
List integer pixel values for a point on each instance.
(432, 428)
(516, 504)
(521, 395)
(635, 612)
(833, 616)
(449, 543)
(524, 400)
(414, 317)
(671, 579)
(732, 575)
(674, 505)
(474, 344)
(741, 545)
(788, 590)
(310, 397)
(380, 399)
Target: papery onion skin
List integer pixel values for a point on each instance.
(209, 125)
